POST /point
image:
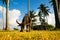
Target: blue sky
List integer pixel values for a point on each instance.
(22, 5)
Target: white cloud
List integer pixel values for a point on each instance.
(13, 15)
(2, 9)
(51, 19)
(37, 12)
(37, 18)
(37, 21)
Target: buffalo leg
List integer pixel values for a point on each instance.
(27, 28)
(22, 28)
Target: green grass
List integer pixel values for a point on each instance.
(33, 35)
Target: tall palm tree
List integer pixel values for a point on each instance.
(28, 7)
(43, 12)
(55, 13)
(7, 7)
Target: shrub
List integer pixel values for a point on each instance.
(49, 27)
(43, 27)
(16, 29)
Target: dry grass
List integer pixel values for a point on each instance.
(33, 35)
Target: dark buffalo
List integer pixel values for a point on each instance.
(27, 21)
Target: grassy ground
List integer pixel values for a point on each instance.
(33, 35)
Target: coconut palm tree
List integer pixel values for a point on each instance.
(7, 7)
(28, 7)
(55, 13)
(32, 15)
(43, 12)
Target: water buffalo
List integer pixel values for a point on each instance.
(27, 21)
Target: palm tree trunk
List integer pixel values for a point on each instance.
(28, 7)
(59, 10)
(7, 8)
(56, 15)
(47, 19)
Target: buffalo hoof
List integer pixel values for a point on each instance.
(27, 31)
(21, 31)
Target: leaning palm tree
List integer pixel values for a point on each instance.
(43, 12)
(55, 13)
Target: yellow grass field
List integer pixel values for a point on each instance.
(33, 35)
